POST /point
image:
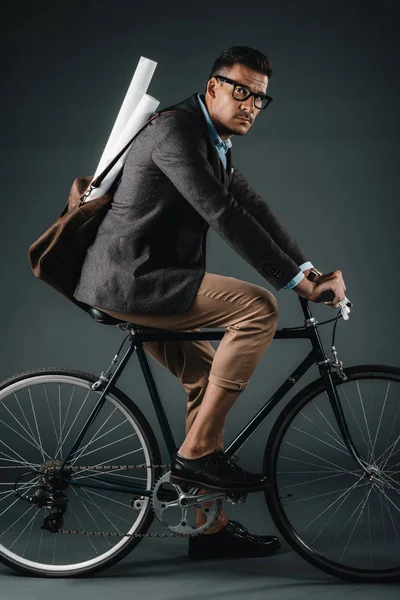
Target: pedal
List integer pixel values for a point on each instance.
(185, 487)
(238, 498)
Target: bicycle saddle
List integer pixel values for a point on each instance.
(102, 317)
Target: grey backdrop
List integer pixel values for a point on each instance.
(323, 155)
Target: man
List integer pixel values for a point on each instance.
(147, 266)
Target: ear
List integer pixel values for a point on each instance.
(211, 86)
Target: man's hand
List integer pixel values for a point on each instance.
(328, 281)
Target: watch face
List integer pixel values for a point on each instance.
(313, 274)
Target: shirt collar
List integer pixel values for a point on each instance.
(225, 145)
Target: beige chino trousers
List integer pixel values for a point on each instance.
(250, 315)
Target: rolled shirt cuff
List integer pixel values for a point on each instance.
(299, 276)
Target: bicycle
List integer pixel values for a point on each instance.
(70, 506)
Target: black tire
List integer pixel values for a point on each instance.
(276, 450)
(147, 434)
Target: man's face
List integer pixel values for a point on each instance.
(232, 116)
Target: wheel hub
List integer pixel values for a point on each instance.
(50, 494)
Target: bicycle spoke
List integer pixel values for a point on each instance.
(106, 446)
(365, 419)
(92, 517)
(58, 449)
(306, 462)
(392, 429)
(93, 438)
(17, 466)
(36, 424)
(87, 537)
(19, 518)
(313, 480)
(52, 419)
(27, 485)
(321, 495)
(35, 443)
(24, 438)
(316, 456)
(390, 449)
(24, 529)
(322, 442)
(40, 416)
(339, 510)
(345, 495)
(23, 415)
(80, 450)
(355, 418)
(109, 499)
(116, 473)
(59, 418)
(77, 415)
(103, 511)
(30, 533)
(380, 420)
(355, 525)
(54, 549)
(336, 438)
(392, 482)
(9, 458)
(392, 519)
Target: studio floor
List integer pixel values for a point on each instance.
(160, 568)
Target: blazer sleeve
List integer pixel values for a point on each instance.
(181, 154)
(258, 207)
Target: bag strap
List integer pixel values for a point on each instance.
(96, 182)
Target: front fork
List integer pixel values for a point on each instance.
(326, 367)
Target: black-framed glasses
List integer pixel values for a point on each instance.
(241, 92)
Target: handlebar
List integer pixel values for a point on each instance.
(328, 296)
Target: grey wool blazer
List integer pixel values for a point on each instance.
(149, 254)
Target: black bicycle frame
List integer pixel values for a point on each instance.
(316, 356)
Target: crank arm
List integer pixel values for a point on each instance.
(191, 500)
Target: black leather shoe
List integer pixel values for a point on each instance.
(215, 471)
(233, 541)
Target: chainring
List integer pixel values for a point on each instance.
(173, 499)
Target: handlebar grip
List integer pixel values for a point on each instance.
(326, 295)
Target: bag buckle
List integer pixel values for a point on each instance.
(87, 193)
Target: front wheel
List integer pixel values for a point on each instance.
(335, 516)
(41, 414)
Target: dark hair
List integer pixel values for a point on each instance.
(243, 55)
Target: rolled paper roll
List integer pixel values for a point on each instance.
(137, 88)
(146, 107)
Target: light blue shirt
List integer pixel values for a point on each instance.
(222, 148)
(297, 278)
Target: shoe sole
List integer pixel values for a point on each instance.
(269, 552)
(193, 482)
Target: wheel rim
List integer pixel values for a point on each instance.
(333, 511)
(39, 418)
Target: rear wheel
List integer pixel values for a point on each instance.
(41, 414)
(335, 516)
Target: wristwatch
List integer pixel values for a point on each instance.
(313, 274)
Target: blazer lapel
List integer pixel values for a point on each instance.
(192, 106)
(229, 162)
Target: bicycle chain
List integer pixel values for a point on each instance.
(134, 535)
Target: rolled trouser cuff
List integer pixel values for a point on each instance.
(228, 383)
